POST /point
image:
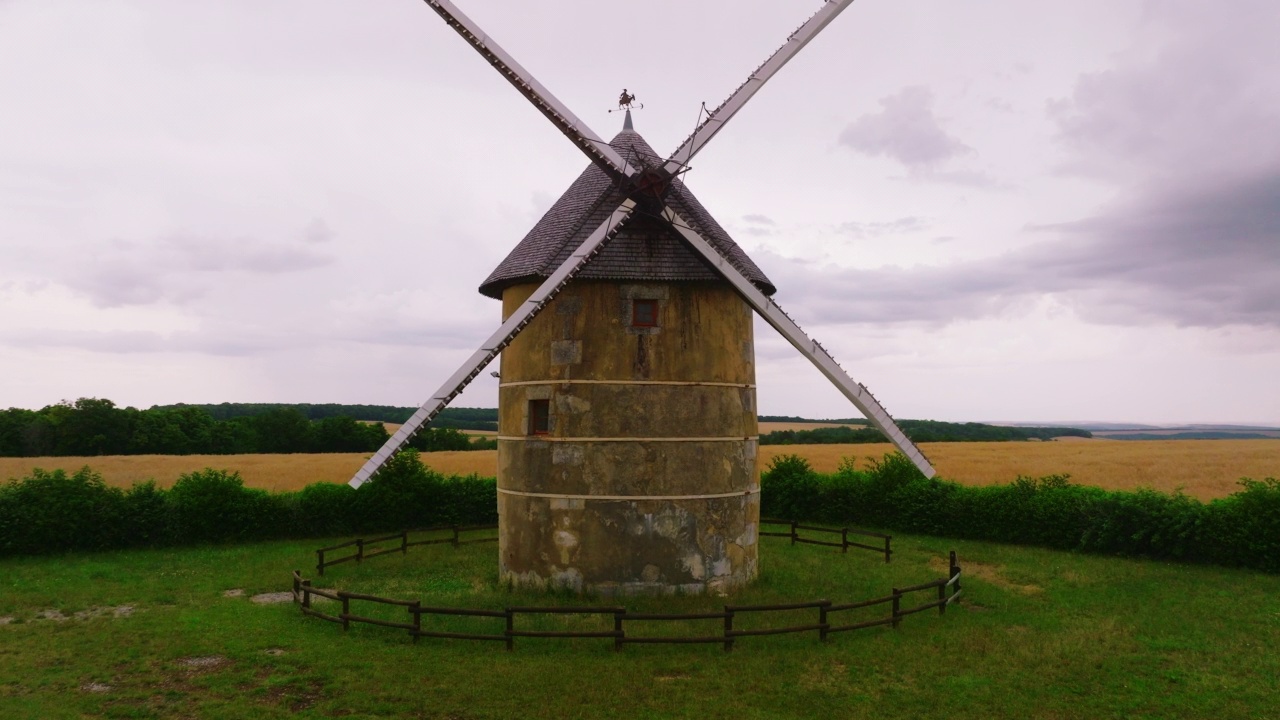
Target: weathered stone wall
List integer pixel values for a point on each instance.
(646, 479)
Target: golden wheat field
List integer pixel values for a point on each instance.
(1204, 469)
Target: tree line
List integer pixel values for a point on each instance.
(93, 426)
(458, 418)
(920, 431)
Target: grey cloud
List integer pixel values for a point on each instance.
(906, 130)
(135, 342)
(430, 333)
(1208, 100)
(238, 340)
(901, 226)
(179, 269)
(759, 226)
(999, 105)
(317, 232)
(1194, 256)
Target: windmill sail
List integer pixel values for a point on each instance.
(612, 208)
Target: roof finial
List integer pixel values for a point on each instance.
(626, 121)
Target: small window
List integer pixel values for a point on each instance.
(539, 417)
(644, 313)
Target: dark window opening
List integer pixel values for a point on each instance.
(644, 313)
(539, 417)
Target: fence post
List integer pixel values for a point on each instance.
(844, 540)
(417, 619)
(887, 551)
(404, 542)
(822, 620)
(793, 532)
(728, 628)
(955, 570)
(306, 593)
(346, 611)
(359, 550)
(320, 561)
(617, 628)
(511, 627)
(897, 605)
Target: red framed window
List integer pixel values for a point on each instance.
(539, 417)
(644, 313)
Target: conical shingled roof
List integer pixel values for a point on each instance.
(643, 249)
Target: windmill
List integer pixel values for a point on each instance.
(627, 419)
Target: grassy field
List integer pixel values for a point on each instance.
(1202, 468)
(1039, 634)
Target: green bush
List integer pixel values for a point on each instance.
(55, 512)
(796, 494)
(1241, 530)
(324, 509)
(214, 506)
(145, 516)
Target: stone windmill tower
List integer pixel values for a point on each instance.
(627, 414)
(627, 420)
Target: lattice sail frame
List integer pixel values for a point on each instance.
(608, 159)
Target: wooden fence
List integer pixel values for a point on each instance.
(362, 546)
(844, 534)
(830, 617)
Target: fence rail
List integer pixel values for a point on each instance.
(362, 545)
(844, 544)
(948, 590)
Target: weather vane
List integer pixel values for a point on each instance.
(627, 101)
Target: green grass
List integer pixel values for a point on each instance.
(1039, 634)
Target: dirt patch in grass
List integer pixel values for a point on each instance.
(97, 611)
(95, 687)
(296, 696)
(233, 592)
(118, 611)
(987, 573)
(6, 620)
(203, 662)
(272, 598)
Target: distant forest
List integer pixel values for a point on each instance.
(918, 430)
(795, 419)
(459, 418)
(91, 426)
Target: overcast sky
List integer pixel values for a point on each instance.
(987, 211)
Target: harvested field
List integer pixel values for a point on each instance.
(270, 472)
(1204, 469)
(393, 427)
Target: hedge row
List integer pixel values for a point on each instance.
(1241, 530)
(55, 511)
